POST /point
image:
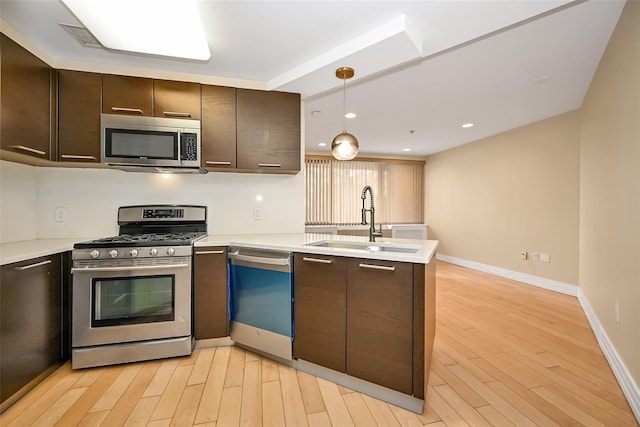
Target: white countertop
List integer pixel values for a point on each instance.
(29, 249)
(299, 242)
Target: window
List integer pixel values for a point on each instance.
(334, 187)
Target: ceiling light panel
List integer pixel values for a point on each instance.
(156, 27)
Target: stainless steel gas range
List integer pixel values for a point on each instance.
(131, 297)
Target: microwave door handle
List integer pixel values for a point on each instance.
(179, 146)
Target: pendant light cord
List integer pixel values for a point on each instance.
(344, 104)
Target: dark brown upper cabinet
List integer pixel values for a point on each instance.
(127, 95)
(28, 102)
(218, 127)
(179, 100)
(79, 106)
(268, 131)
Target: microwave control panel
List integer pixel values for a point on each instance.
(188, 146)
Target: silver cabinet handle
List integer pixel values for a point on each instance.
(127, 110)
(378, 267)
(176, 114)
(37, 264)
(318, 260)
(77, 157)
(209, 252)
(29, 149)
(269, 165)
(217, 163)
(137, 268)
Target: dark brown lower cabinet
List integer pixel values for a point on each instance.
(380, 323)
(365, 318)
(31, 321)
(320, 297)
(210, 293)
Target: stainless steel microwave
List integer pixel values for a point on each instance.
(152, 144)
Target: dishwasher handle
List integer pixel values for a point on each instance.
(258, 259)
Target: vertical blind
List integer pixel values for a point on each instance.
(334, 187)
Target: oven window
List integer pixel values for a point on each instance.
(132, 300)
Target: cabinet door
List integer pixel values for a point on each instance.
(268, 135)
(127, 95)
(79, 106)
(218, 127)
(210, 293)
(30, 326)
(380, 322)
(28, 102)
(320, 298)
(179, 100)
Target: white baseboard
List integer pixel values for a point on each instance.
(622, 374)
(627, 384)
(541, 282)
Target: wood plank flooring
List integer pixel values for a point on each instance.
(506, 354)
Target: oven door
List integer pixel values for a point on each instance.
(127, 304)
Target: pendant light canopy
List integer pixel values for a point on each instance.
(344, 146)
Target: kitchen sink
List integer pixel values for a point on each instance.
(367, 246)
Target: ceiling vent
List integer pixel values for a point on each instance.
(82, 35)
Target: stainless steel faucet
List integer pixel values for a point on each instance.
(372, 213)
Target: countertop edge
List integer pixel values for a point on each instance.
(300, 243)
(13, 252)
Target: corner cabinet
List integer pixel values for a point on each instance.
(79, 106)
(28, 102)
(365, 318)
(210, 293)
(32, 320)
(268, 132)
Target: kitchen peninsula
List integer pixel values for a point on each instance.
(364, 312)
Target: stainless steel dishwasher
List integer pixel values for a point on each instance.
(262, 300)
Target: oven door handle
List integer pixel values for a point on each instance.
(131, 268)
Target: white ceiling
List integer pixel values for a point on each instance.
(423, 68)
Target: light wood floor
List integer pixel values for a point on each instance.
(505, 354)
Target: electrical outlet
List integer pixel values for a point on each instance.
(523, 255)
(617, 312)
(61, 214)
(545, 257)
(536, 256)
(257, 214)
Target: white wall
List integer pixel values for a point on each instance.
(92, 198)
(30, 196)
(18, 202)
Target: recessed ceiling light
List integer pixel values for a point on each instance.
(351, 115)
(155, 27)
(406, 149)
(467, 125)
(322, 144)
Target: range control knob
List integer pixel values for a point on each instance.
(153, 252)
(171, 251)
(113, 253)
(133, 252)
(94, 253)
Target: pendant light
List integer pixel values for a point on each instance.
(344, 145)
